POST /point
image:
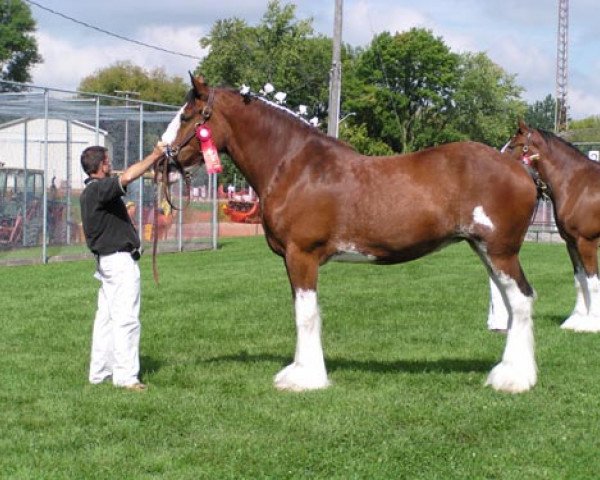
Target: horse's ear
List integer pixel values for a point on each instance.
(523, 126)
(198, 84)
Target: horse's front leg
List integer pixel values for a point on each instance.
(586, 314)
(497, 314)
(307, 372)
(517, 372)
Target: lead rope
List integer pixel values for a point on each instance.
(167, 196)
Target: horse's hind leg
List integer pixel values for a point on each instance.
(517, 372)
(307, 372)
(586, 314)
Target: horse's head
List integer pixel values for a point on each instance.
(184, 147)
(526, 144)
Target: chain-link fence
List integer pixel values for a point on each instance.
(42, 134)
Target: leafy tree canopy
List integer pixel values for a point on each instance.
(487, 100)
(280, 50)
(541, 113)
(18, 47)
(403, 88)
(152, 86)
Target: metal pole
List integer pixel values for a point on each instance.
(97, 120)
(335, 80)
(69, 181)
(45, 186)
(562, 67)
(25, 172)
(127, 93)
(180, 215)
(140, 209)
(215, 211)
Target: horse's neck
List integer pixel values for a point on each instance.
(256, 146)
(558, 164)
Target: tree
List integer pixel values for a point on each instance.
(280, 50)
(18, 47)
(541, 113)
(585, 130)
(403, 88)
(359, 139)
(487, 101)
(152, 86)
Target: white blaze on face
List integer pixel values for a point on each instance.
(170, 133)
(481, 218)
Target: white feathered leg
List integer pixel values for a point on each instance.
(497, 314)
(586, 314)
(308, 370)
(517, 372)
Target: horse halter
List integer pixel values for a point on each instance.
(171, 162)
(172, 151)
(527, 159)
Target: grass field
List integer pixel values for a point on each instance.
(406, 348)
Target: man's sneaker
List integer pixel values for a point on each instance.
(137, 387)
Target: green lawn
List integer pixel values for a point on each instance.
(406, 348)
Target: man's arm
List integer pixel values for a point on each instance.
(137, 169)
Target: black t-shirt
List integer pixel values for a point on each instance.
(106, 224)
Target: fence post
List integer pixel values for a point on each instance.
(45, 185)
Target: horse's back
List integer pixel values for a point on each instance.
(408, 204)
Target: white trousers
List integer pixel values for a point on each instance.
(116, 334)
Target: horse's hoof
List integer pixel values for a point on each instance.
(497, 324)
(297, 378)
(505, 377)
(581, 323)
(503, 331)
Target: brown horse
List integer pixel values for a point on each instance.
(573, 182)
(321, 199)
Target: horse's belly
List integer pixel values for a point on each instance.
(350, 253)
(390, 253)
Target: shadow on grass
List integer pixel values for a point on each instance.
(149, 365)
(554, 319)
(444, 365)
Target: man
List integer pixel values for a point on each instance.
(112, 238)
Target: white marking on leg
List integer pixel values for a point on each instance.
(308, 370)
(517, 372)
(586, 314)
(481, 218)
(497, 314)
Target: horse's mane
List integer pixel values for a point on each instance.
(550, 137)
(276, 108)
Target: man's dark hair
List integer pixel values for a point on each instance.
(92, 158)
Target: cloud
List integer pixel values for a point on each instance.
(519, 36)
(65, 64)
(362, 21)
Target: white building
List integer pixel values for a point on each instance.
(23, 145)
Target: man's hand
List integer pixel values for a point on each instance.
(137, 169)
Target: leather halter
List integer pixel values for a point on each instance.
(171, 160)
(173, 151)
(543, 188)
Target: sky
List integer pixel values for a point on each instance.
(520, 36)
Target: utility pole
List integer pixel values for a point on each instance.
(335, 76)
(127, 93)
(562, 64)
